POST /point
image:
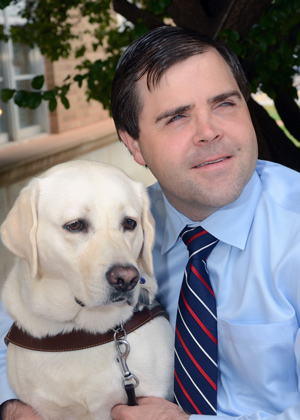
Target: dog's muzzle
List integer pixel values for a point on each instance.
(123, 280)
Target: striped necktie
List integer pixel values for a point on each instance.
(196, 351)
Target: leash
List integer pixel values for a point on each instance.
(130, 381)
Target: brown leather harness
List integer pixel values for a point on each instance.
(81, 339)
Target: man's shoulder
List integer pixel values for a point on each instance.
(265, 167)
(282, 184)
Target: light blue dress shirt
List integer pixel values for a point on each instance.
(255, 273)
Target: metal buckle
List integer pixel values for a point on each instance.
(128, 377)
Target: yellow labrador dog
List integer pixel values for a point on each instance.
(83, 234)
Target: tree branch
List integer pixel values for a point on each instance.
(288, 111)
(224, 18)
(200, 15)
(244, 14)
(273, 144)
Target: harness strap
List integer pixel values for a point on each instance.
(80, 339)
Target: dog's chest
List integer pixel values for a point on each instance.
(81, 384)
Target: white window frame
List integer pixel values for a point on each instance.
(10, 79)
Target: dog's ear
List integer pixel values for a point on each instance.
(18, 231)
(148, 228)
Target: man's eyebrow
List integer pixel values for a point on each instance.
(181, 109)
(225, 95)
(172, 112)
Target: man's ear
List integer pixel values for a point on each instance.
(133, 146)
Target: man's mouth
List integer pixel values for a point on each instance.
(210, 162)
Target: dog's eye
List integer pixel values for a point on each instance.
(129, 224)
(74, 226)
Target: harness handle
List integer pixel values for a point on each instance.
(122, 359)
(129, 388)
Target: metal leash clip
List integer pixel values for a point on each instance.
(130, 381)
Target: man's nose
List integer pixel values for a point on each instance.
(207, 130)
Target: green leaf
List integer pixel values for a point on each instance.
(95, 46)
(140, 29)
(265, 22)
(21, 98)
(263, 44)
(283, 45)
(4, 3)
(48, 95)
(52, 104)
(38, 82)
(273, 64)
(80, 51)
(98, 66)
(234, 36)
(65, 89)
(271, 37)
(34, 100)
(236, 48)
(78, 78)
(7, 94)
(65, 102)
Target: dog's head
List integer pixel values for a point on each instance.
(86, 233)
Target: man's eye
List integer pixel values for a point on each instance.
(227, 103)
(74, 226)
(129, 224)
(175, 118)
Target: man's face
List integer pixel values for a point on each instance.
(196, 135)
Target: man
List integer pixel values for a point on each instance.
(179, 104)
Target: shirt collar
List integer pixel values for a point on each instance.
(230, 224)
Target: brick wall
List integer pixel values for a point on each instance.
(81, 112)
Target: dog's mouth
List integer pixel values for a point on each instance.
(114, 298)
(127, 297)
(79, 302)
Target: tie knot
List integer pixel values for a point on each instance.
(198, 240)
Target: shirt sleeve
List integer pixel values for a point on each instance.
(6, 393)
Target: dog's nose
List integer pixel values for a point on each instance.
(123, 278)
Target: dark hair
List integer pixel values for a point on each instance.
(153, 54)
